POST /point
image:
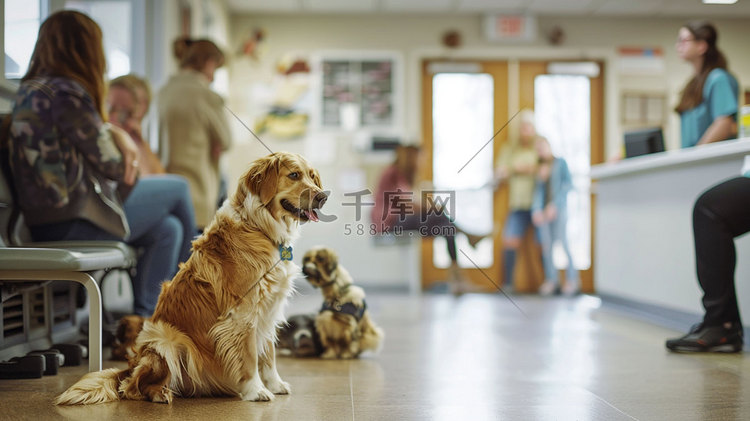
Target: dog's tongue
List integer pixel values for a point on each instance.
(311, 215)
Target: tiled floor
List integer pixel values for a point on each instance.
(475, 357)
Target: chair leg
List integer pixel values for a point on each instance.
(95, 318)
(95, 303)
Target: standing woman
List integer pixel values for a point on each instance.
(709, 102)
(73, 170)
(549, 212)
(518, 167)
(193, 119)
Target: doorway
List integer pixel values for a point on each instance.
(462, 110)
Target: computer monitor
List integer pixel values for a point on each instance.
(644, 142)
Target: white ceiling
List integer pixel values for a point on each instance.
(665, 8)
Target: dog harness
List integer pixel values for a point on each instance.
(345, 308)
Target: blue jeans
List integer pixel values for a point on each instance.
(549, 233)
(162, 223)
(516, 224)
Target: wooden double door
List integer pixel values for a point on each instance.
(464, 107)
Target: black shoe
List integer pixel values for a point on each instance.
(28, 367)
(709, 339)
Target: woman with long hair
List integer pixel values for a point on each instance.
(193, 119)
(76, 175)
(708, 104)
(549, 213)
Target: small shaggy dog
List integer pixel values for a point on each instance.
(343, 324)
(127, 332)
(298, 337)
(214, 326)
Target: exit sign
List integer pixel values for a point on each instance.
(514, 28)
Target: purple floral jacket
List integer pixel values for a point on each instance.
(64, 161)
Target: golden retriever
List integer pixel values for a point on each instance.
(214, 326)
(343, 324)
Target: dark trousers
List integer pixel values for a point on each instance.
(721, 214)
(432, 225)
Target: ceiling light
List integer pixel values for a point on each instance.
(719, 1)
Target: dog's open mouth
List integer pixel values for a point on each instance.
(302, 214)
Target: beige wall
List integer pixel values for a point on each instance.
(414, 38)
(417, 37)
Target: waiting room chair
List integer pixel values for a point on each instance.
(28, 262)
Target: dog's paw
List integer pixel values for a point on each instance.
(329, 354)
(160, 395)
(279, 387)
(347, 355)
(260, 394)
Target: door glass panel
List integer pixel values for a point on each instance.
(563, 116)
(462, 116)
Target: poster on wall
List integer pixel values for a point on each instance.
(288, 114)
(357, 93)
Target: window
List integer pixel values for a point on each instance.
(115, 19)
(22, 19)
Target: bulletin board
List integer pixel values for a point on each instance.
(366, 85)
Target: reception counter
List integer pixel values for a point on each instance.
(643, 244)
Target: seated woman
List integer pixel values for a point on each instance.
(128, 100)
(73, 171)
(396, 207)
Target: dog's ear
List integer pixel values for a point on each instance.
(332, 261)
(263, 177)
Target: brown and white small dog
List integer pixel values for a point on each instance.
(343, 324)
(128, 328)
(214, 326)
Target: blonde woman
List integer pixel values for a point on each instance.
(549, 212)
(128, 100)
(518, 168)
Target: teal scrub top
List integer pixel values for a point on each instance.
(720, 98)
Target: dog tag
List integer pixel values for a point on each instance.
(285, 252)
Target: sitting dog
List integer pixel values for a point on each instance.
(343, 323)
(214, 327)
(299, 338)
